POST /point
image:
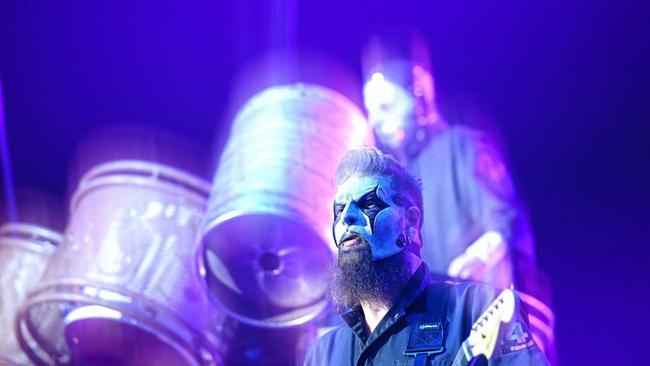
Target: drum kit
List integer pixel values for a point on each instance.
(156, 267)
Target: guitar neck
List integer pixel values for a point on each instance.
(463, 357)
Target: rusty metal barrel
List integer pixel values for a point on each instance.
(266, 241)
(25, 250)
(123, 289)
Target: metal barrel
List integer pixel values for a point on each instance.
(122, 288)
(24, 252)
(265, 251)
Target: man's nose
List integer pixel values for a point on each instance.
(351, 214)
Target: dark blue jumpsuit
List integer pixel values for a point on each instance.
(453, 306)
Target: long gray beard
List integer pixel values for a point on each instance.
(357, 277)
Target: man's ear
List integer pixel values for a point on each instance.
(413, 217)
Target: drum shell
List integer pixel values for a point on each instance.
(285, 145)
(136, 236)
(25, 250)
(129, 247)
(276, 176)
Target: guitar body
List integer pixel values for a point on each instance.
(479, 347)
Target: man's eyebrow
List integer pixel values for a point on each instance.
(349, 196)
(369, 194)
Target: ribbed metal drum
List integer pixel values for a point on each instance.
(24, 252)
(123, 289)
(265, 251)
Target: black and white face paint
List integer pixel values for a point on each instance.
(368, 208)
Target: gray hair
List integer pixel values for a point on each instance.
(370, 161)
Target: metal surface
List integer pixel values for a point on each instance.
(122, 289)
(24, 252)
(265, 244)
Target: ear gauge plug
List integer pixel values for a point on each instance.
(402, 241)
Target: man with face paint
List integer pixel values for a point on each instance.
(395, 313)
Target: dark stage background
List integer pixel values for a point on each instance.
(565, 82)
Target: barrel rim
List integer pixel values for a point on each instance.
(145, 166)
(132, 172)
(47, 293)
(28, 231)
(320, 306)
(46, 250)
(34, 238)
(291, 89)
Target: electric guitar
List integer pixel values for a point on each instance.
(484, 336)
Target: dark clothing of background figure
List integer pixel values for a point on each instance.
(467, 191)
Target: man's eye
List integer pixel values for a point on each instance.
(371, 204)
(338, 209)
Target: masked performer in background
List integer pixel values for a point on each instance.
(474, 227)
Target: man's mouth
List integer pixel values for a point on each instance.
(350, 241)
